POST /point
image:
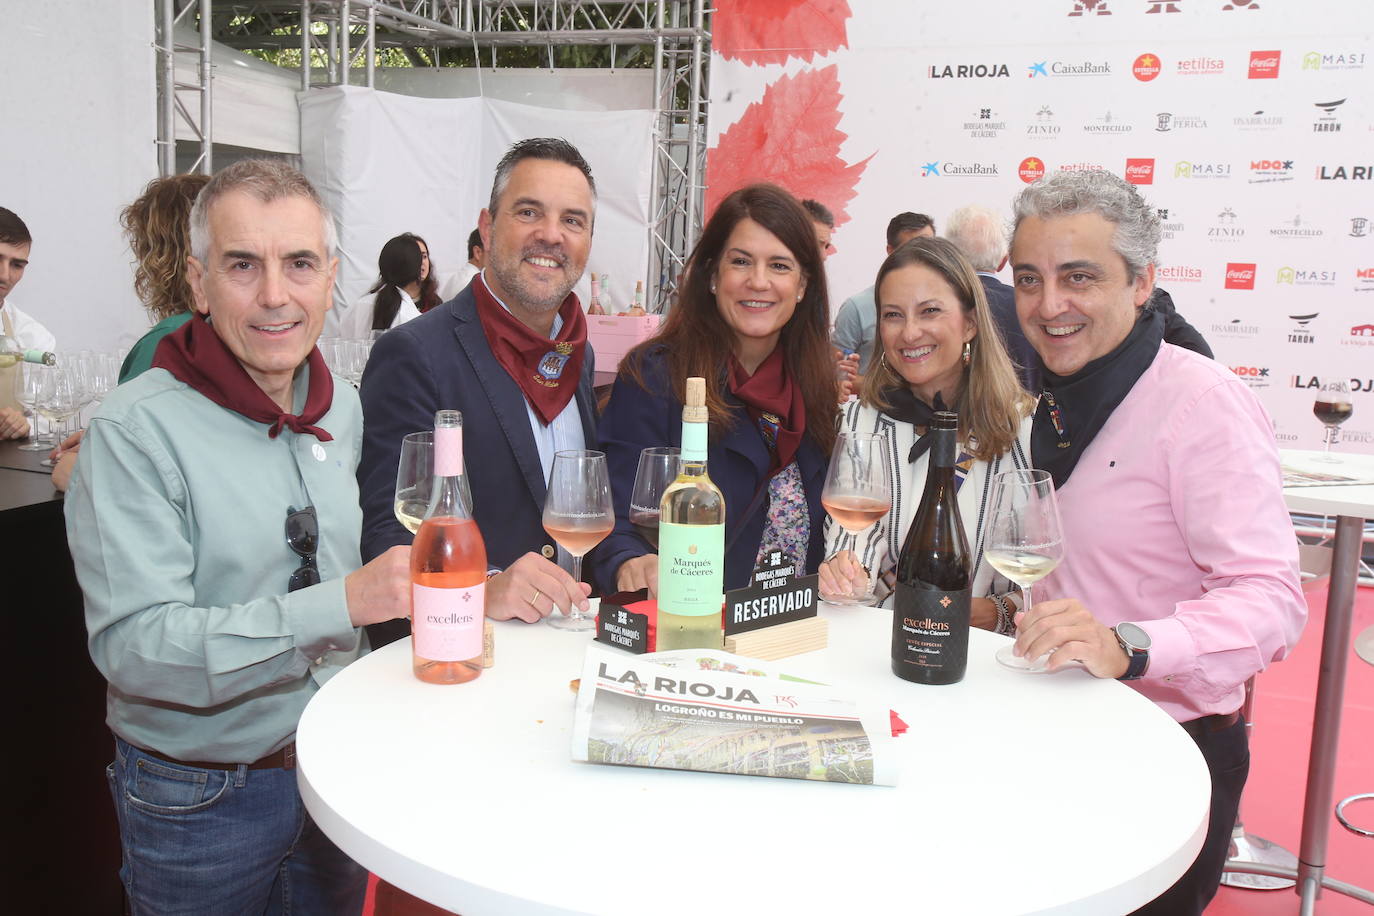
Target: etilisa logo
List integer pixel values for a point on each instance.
(1345, 172)
(1107, 124)
(1264, 65)
(1236, 328)
(1301, 276)
(1327, 122)
(1140, 171)
(1194, 170)
(1257, 120)
(1341, 60)
(986, 125)
(1296, 228)
(1043, 126)
(1301, 334)
(1226, 228)
(967, 71)
(1167, 229)
(1266, 171)
(1359, 227)
(1179, 273)
(1200, 66)
(1167, 121)
(1254, 376)
(1240, 276)
(1032, 168)
(1146, 67)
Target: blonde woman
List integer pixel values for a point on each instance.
(937, 348)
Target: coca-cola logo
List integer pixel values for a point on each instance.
(1146, 67)
(1031, 169)
(1140, 171)
(1264, 65)
(1240, 276)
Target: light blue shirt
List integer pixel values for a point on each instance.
(856, 325)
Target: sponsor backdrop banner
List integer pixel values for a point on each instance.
(1249, 127)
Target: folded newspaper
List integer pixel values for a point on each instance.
(707, 710)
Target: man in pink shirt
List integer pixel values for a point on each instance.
(1180, 571)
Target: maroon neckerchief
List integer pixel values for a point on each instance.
(547, 371)
(775, 404)
(195, 355)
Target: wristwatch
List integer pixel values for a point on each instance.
(1135, 642)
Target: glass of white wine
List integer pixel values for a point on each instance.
(415, 479)
(28, 387)
(857, 493)
(1024, 541)
(578, 515)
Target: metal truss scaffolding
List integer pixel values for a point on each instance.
(339, 41)
(171, 95)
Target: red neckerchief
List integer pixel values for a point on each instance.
(547, 371)
(195, 355)
(774, 403)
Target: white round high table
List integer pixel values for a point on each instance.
(1018, 794)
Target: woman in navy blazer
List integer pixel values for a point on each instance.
(752, 318)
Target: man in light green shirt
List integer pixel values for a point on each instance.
(213, 521)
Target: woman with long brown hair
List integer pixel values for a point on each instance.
(752, 319)
(937, 348)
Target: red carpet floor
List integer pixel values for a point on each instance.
(1272, 807)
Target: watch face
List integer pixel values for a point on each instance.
(1133, 636)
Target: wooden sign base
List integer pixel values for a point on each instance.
(781, 640)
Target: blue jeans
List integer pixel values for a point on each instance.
(235, 842)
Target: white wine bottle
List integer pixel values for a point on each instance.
(930, 615)
(691, 541)
(11, 354)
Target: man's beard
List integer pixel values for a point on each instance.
(532, 297)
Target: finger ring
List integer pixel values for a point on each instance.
(534, 600)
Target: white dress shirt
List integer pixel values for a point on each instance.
(356, 323)
(27, 330)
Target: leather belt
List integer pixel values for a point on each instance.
(1197, 728)
(281, 759)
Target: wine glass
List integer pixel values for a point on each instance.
(1023, 541)
(415, 479)
(28, 385)
(59, 397)
(658, 467)
(857, 493)
(1333, 408)
(578, 515)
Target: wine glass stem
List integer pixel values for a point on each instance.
(1025, 598)
(577, 577)
(1330, 435)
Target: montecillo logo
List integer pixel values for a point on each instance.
(1107, 124)
(1295, 228)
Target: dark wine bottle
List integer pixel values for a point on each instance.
(930, 616)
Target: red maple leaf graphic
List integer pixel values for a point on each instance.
(791, 138)
(770, 31)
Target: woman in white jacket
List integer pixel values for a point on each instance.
(937, 348)
(404, 289)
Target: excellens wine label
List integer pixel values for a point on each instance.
(930, 628)
(447, 622)
(691, 568)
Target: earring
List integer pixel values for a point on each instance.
(713, 287)
(968, 352)
(799, 297)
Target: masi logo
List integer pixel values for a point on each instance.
(1264, 65)
(1300, 334)
(1327, 122)
(1295, 228)
(1107, 124)
(985, 125)
(1264, 171)
(968, 71)
(1345, 173)
(1201, 66)
(1317, 60)
(1240, 276)
(1186, 169)
(1303, 277)
(1043, 127)
(1031, 169)
(1140, 171)
(1257, 120)
(1179, 273)
(1167, 121)
(1235, 328)
(1146, 67)
(1226, 228)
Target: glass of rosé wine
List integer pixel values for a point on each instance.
(578, 515)
(857, 494)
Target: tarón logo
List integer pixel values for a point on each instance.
(1327, 122)
(1301, 334)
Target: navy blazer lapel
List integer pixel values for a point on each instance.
(507, 401)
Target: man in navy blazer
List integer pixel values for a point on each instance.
(980, 235)
(537, 234)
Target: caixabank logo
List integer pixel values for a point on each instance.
(1146, 67)
(1140, 171)
(1264, 65)
(1268, 171)
(959, 170)
(967, 71)
(1240, 276)
(1051, 68)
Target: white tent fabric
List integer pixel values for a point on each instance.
(388, 164)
